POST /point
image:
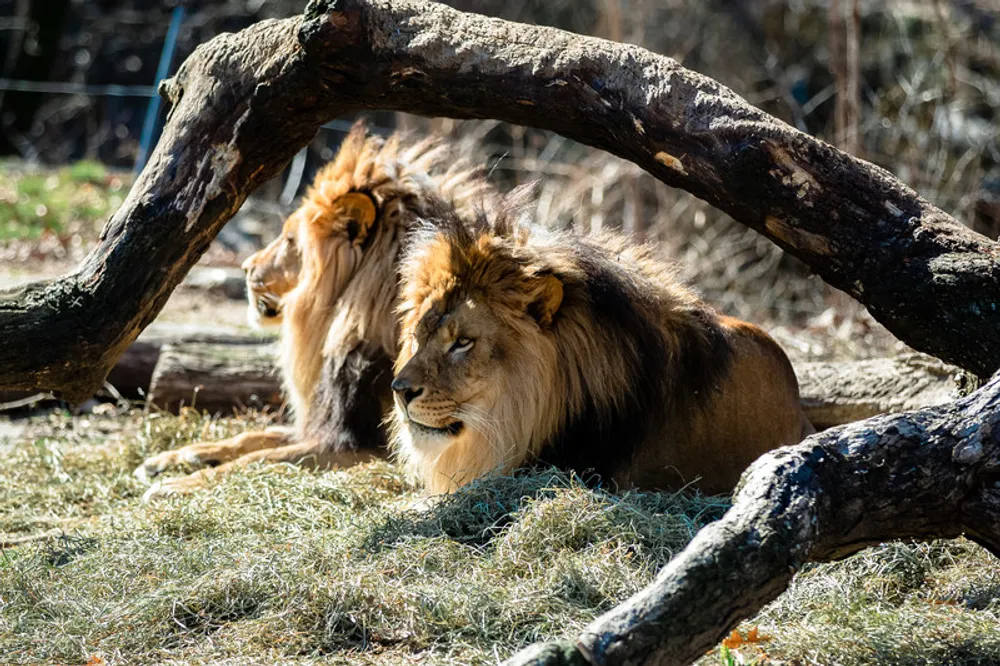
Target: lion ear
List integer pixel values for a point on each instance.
(546, 296)
(360, 211)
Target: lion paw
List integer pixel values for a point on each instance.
(161, 462)
(159, 490)
(154, 466)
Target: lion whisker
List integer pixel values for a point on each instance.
(483, 422)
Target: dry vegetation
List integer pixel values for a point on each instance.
(279, 565)
(282, 566)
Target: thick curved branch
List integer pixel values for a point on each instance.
(244, 103)
(930, 280)
(928, 474)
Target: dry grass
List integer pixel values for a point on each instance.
(284, 565)
(905, 604)
(277, 565)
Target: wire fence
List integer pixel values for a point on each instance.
(53, 88)
(296, 170)
(151, 125)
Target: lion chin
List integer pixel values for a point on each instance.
(427, 438)
(431, 438)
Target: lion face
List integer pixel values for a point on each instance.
(476, 358)
(271, 273)
(442, 389)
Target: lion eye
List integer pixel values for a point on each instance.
(290, 240)
(461, 345)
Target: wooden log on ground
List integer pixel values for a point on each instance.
(133, 373)
(205, 360)
(834, 393)
(216, 377)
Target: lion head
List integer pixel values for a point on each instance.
(476, 356)
(271, 273)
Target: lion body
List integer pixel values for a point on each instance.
(581, 352)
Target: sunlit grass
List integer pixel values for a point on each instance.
(280, 565)
(277, 563)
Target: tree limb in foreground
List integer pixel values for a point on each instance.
(244, 103)
(933, 473)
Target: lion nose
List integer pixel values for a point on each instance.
(404, 390)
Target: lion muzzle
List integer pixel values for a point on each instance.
(403, 393)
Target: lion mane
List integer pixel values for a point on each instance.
(520, 344)
(350, 230)
(330, 282)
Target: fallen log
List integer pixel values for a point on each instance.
(207, 361)
(215, 377)
(933, 473)
(226, 375)
(834, 393)
(133, 373)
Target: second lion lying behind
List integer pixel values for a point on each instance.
(582, 352)
(330, 281)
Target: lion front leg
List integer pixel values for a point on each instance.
(307, 454)
(210, 454)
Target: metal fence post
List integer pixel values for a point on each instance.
(162, 69)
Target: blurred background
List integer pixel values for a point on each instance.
(911, 85)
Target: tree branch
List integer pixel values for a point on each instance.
(243, 104)
(928, 474)
(927, 278)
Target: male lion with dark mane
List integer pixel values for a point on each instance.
(330, 282)
(584, 352)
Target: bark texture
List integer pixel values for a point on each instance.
(133, 373)
(926, 474)
(215, 377)
(244, 103)
(930, 280)
(241, 106)
(841, 392)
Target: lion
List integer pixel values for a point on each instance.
(329, 283)
(523, 345)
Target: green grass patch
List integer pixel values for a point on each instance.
(280, 565)
(67, 202)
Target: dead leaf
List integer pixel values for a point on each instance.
(733, 641)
